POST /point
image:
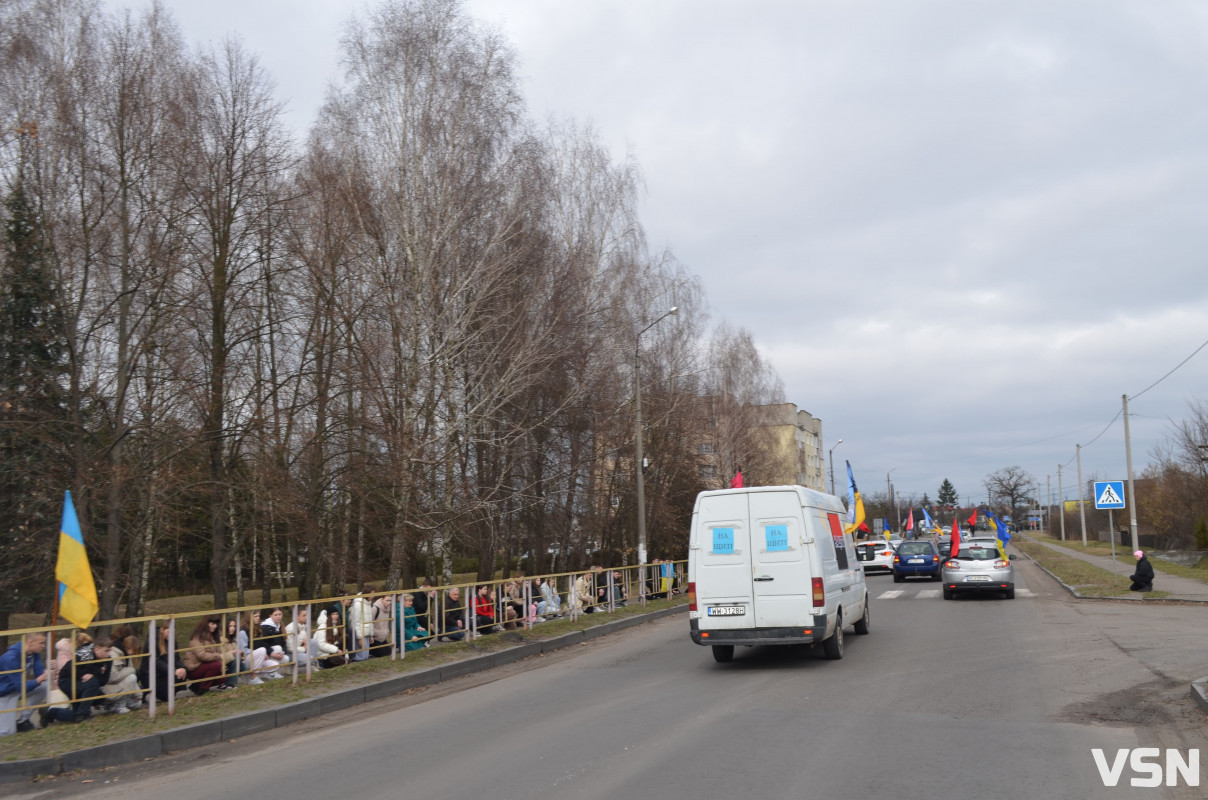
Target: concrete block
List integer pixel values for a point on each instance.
(107, 755)
(192, 735)
(292, 712)
(247, 724)
(338, 701)
(1199, 690)
(27, 769)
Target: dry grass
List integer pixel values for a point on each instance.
(1124, 555)
(61, 738)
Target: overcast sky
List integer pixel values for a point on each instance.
(959, 230)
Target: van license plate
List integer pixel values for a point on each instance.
(727, 611)
(977, 578)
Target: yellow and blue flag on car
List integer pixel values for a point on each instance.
(855, 504)
(931, 526)
(77, 592)
(1002, 535)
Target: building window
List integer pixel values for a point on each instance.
(705, 448)
(708, 472)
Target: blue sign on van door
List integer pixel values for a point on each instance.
(723, 541)
(777, 538)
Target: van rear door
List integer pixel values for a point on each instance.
(781, 565)
(723, 566)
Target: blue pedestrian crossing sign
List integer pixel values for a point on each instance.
(1109, 494)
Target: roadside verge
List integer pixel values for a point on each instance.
(244, 724)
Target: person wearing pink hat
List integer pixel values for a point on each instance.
(1142, 578)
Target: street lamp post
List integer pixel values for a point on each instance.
(640, 461)
(832, 464)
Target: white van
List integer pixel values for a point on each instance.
(771, 565)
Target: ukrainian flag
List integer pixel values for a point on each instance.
(77, 592)
(1003, 534)
(855, 504)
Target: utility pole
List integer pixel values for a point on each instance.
(1081, 504)
(1132, 496)
(892, 504)
(1061, 501)
(1048, 505)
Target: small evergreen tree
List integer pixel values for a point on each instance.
(1201, 534)
(947, 493)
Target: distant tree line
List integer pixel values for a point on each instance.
(406, 341)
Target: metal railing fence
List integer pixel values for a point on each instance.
(371, 625)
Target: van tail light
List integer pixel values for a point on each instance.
(819, 592)
(952, 564)
(692, 596)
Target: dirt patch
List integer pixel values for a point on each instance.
(1159, 702)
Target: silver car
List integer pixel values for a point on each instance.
(978, 568)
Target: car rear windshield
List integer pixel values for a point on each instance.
(978, 554)
(916, 549)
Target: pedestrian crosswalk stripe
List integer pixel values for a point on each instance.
(927, 594)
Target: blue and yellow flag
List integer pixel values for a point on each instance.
(885, 529)
(1002, 535)
(931, 526)
(855, 504)
(77, 592)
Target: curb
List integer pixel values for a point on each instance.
(1198, 689)
(203, 733)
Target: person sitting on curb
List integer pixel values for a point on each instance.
(453, 628)
(1142, 578)
(328, 640)
(123, 678)
(92, 668)
(271, 636)
(204, 656)
(12, 674)
(484, 610)
(157, 658)
(413, 636)
(300, 646)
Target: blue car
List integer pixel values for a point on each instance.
(917, 557)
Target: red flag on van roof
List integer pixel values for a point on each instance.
(736, 481)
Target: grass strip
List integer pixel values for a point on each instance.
(60, 738)
(1086, 578)
(1198, 572)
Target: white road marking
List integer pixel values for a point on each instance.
(929, 593)
(889, 595)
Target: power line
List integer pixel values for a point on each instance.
(1168, 374)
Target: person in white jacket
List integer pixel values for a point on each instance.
(361, 624)
(327, 639)
(297, 643)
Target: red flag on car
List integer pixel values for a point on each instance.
(910, 519)
(736, 481)
(973, 519)
(956, 538)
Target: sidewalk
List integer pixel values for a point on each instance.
(1179, 588)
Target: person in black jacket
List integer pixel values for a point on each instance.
(1142, 578)
(90, 673)
(157, 656)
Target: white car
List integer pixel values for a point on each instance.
(875, 556)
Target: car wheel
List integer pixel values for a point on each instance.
(1010, 593)
(898, 578)
(948, 594)
(723, 653)
(864, 621)
(833, 647)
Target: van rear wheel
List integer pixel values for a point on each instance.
(861, 626)
(833, 647)
(723, 653)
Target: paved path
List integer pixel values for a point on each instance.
(1179, 588)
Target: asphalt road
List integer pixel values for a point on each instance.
(978, 697)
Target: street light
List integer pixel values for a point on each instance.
(832, 464)
(637, 404)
